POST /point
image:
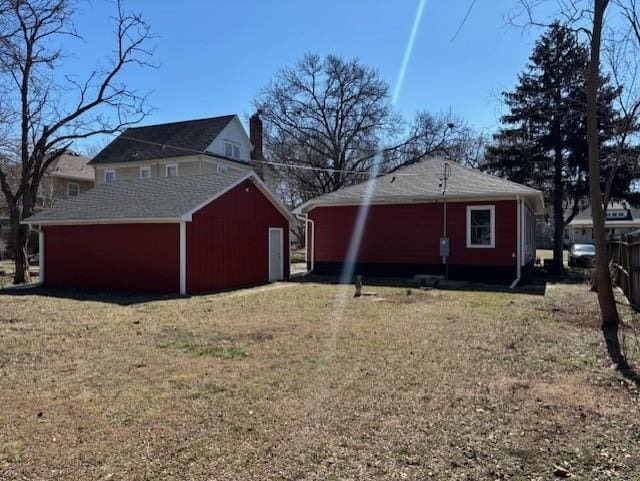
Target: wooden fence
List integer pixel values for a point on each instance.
(624, 260)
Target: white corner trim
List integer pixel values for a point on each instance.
(41, 256)
(183, 258)
(492, 217)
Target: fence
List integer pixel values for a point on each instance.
(624, 260)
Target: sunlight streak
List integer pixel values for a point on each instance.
(408, 51)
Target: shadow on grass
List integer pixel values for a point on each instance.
(534, 287)
(117, 298)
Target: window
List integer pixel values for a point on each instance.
(73, 189)
(231, 150)
(171, 170)
(145, 171)
(481, 226)
(221, 169)
(109, 175)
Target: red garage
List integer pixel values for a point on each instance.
(175, 234)
(435, 217)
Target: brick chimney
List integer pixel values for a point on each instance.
(255, 135)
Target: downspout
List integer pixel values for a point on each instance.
(519, 243)
(183, 258)
(308, 221)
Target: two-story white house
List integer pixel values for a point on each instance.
(192, 147)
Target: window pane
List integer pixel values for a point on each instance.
(72, 189)
(109, 176)
(228, 149)
(145, 172)
(172, 171)
(236, 152)
(480, 227)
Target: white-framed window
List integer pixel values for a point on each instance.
(73, 189)
(481, 226)
(221, 169)
(145, 171)
(110, 175)
(231, 150)
(171, 170)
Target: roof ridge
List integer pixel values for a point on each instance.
(202, 119)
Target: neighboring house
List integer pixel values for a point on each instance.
(68, 176)
(620, 219)
(209, 146)
(183, 234)
(490, 224)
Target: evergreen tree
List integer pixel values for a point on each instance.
(543, 142)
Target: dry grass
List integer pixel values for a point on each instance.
(271, 384)
(6, 273)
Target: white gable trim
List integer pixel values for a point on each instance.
(188, 216)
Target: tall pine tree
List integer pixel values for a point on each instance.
(542, 142)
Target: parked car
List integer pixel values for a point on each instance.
(582, 255)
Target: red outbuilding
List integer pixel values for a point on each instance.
(435, 217)
(174, 234)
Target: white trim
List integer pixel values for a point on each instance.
(41, 256)
(145, 168)
(271, 277)
(519, 238)
(145, 220)
(69, 184)
(492, 221)
(107, 171)
(409, 199)
(188, 216)
(183, 258)
(166, 169)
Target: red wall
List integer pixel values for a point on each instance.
(410, 234)
(227, 241)
(123, 257)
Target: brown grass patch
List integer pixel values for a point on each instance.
(272, 384)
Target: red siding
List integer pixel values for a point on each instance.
(227, 241)
(410, 234)
(123, 257)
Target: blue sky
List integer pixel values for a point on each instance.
(215, 56)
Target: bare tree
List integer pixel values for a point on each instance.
(43, 115)
(588, 16)
(328, 119)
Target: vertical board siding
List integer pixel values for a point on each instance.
(228, 241)
(410, 234)
(113, 257)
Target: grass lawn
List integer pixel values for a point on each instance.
(273, 383)
(6, 273)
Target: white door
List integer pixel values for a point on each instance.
(275, 254)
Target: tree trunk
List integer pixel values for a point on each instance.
(20, 241)
(606, 299)
(558, 217)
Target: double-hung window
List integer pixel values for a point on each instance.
(73, 189)
(171, 170)
(145, 171)
(109, 176)
(481, 226)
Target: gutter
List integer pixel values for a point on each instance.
(307, 221)
(519, 243)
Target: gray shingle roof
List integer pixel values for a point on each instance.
(163, 198)
(161, 141)
(421, 181)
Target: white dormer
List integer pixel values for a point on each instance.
(233, 142)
